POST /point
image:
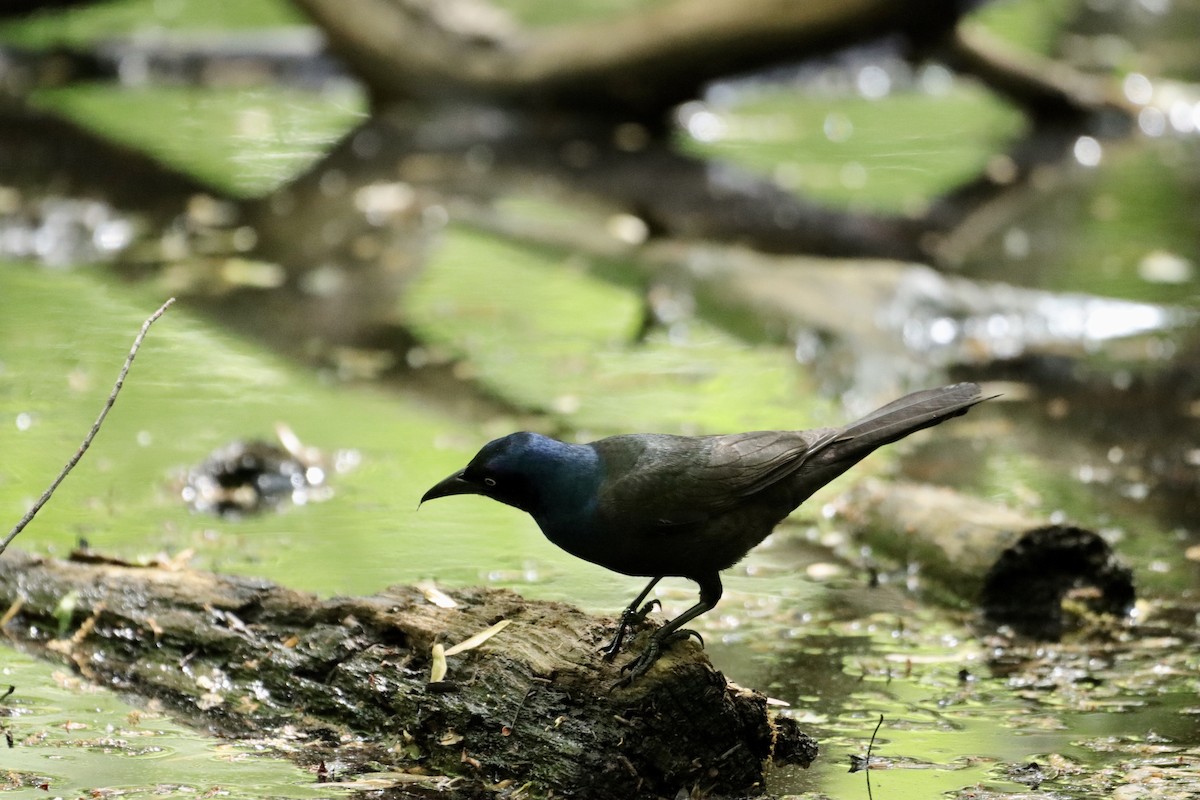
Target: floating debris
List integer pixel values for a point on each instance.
(248, 477)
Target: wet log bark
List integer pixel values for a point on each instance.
(801, 299)
(641, 63)
(1045, 88)
(1037, 577)
(347, 681)
(409, 169)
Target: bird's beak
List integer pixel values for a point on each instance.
(455, 484)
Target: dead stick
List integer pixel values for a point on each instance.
(87, 440)
(870, 746)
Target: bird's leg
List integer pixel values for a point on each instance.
(673, 631)
(632, 615)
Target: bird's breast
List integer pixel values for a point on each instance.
(584, 536)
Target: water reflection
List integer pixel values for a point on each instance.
(1076, 288)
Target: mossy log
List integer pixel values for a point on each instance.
(1028, 573)
(346, 682)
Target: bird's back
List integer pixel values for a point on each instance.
(682, 505)
(673, 480)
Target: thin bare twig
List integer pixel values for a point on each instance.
(871, 746)
(87, 440)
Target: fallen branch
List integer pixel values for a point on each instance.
(1044, 87)
(642, 62)
(87, 440)
(1025, 572)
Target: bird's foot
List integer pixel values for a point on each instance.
(610, 650)
(638, 666)
(684, 633)
(629, 618)
(658, 645)
(640, 615)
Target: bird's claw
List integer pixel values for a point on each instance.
(629, 618)
(684, 633)
(641, 665)
(640, 615)
(638, 666)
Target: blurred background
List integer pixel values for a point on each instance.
(400, 230)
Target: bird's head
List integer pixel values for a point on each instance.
(517, 469)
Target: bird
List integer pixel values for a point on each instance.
(663, 505)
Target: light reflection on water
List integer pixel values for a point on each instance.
(195, 388)
(192, 390)
(81, 741)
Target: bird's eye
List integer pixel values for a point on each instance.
(489, 481)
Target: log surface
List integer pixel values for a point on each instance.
(346, 681)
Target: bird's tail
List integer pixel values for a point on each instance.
(909, 414)
(842, 449)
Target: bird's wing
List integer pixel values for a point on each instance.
(679, 480)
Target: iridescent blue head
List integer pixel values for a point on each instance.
(524, 470)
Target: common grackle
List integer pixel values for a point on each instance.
(659, 505)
